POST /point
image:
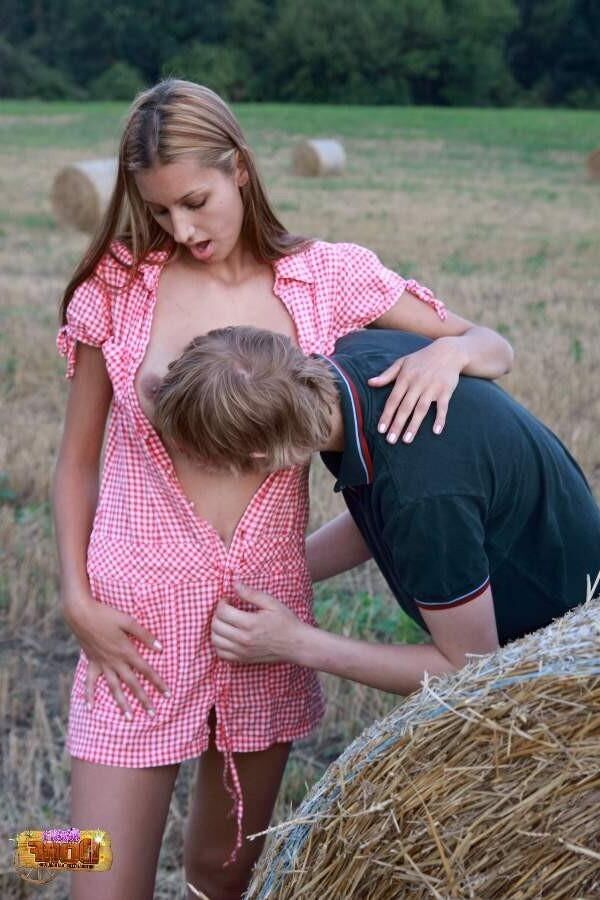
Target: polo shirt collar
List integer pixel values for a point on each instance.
(294, 266)
(356, 465)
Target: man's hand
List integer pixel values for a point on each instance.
(268, 635)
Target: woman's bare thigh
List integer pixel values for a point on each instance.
(211, 830)
(132, 806)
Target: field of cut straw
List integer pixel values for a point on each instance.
(490, 208)
(481, 786)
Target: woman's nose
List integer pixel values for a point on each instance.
(183, 229)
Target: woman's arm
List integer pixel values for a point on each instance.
(100, 629)
(335, 547)
(75, 485)
(480, 350)
(273, 633)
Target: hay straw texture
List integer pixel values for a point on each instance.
(81, 191)
(593, 164)
(485, 784)
(321, 156)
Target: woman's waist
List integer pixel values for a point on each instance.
(142, 500)
(268, 562)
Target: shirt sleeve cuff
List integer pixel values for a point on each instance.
(456, 601)
(66, 342)
(427, 296)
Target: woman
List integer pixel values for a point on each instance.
(189, 243)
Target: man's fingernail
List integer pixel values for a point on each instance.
(167, 693)
(89, 706)
(408, 437)
(128, 716)
(392, 437)
(151, 712)
(157, 645)
(437, 429)
(381, 427)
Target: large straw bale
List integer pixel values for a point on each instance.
(320, 156)
(81, 191)
(485, 784)
(593, 164)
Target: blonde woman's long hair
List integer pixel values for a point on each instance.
(171, 120)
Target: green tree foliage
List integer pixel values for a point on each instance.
(346, 49)
(473, 70)
(119, 82)
(224, 69)
(451, 52)
(23, 75)
(554, 52)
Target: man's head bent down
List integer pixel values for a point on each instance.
(242, 398)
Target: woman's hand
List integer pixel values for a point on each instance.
(265, 636)
(429, 375)
(102, 633)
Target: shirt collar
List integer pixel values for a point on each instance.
(356, 465)
(294, 266)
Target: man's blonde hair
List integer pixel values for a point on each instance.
(241, 390)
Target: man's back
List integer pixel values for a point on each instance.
(495, 496)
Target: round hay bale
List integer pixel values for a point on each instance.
(485, 784)
(593, 164)
(321, 156)
(81, 191)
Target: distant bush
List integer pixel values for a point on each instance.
(119, 82)
(22, 75)
(223, 69)
(584, 98)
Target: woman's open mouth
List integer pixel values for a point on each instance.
(203, 250)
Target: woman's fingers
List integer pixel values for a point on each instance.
(406, 399)
(128, 677)
(420, 411)
(115, 688)
(442, 404)
(139, 664)
(388, 374)
(125, 671)
(409, 402)
(142, 634)
(397, 395)
(429, 375)
(93, 670)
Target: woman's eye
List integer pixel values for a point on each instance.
(195, 205)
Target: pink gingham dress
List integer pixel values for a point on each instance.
(151, 556)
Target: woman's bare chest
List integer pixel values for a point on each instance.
(186, 308)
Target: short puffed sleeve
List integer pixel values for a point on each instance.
(89, 320)
(367, 289)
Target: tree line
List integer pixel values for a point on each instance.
(443, 52)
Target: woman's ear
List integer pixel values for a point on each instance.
(241, 172)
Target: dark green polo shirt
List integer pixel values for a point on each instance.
(495, 499)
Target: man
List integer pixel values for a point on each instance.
(484, 534)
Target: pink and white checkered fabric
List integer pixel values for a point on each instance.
(151, 556)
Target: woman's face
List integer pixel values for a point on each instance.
(201, 208)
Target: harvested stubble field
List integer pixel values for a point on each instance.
(490, 208)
